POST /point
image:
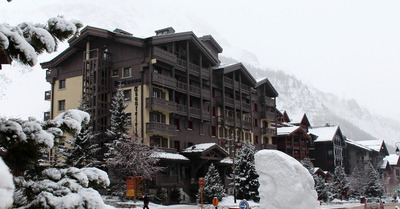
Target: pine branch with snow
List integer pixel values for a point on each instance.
(26, 41)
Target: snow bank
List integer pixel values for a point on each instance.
(6, 186)
(284, 182)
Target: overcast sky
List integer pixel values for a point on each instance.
(347, 47)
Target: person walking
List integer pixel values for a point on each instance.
(145, 202)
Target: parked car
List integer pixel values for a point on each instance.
(373, 203)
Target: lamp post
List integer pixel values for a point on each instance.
(397, 148)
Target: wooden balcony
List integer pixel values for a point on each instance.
(47, 95)
(164, 80)
(181, 109)
(270, 102)
(160, 128)
(165, 56)
(268, 115)
(268, 131)
(160, 104)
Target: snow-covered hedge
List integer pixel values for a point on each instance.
(62, 188)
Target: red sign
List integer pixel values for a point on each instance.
(215, 202)
(201, 182)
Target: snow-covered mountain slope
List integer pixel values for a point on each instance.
(297, 97)
(22, 88)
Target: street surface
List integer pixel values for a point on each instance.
(361, 206)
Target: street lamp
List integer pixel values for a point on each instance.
(233, 143)
(397, 148)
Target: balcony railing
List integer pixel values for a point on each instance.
(47, 95)
(268, 115)
(268, 131)
(164, 80)
(165, 55)
(160, 104)
(267, 101)
(160, 128)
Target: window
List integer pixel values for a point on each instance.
(255, 123)
(128, 95)
(177, 124)
(213, 131)
(61, 105)
(256, 139)
(158, 93)
(127, 72)
(213, 111)
(157, 117)
(62, 84)
(115, 73)
(190, 125)
(255, 107)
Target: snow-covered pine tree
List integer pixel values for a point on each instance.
(120, 120)
(246, 176)
(83, 149)
(358, 180)
(26, 40)
(321, 188)
(213, 186)
(374, 187)
(306, 162)
(340, 182)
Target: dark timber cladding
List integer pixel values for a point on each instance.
(178, 93)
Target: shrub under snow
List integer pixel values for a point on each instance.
(62, 188)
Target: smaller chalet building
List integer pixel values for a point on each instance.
(329, 147)
(390, 170)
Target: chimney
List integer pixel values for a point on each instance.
(165, 31)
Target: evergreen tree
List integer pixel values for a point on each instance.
(319, 182)
(340, 182)
(26, 40)
(374, 187)
(213, 186)
(358, 180)
(246, 176)
(83, 149)
(321, 188)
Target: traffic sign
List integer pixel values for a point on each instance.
(215, 202)
(243, 204)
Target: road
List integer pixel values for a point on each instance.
(387, 206)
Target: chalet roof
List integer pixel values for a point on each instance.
(228, 68)
(392, 159)
(376, 145)
(172, 37)
(213, 41)
(206, 151)
(289, 130)
(356, 144)
(124, 37)
(269, 85)
(300, 119)
(326, 133)
(169, 156)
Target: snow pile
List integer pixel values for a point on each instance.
(284, 182)
(63, 188)
(6, 186)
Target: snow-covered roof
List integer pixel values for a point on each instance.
(372, 144)
(286, 130)
(385, 164)
(199, 147)
(296, 118)
(227, 161)
(326, 133)
(170, 156)
(393, 159)
(355, 143)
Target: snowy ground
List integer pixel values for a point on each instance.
(226, 203)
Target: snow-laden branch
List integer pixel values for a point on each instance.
(26, 41)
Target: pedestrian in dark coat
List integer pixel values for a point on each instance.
(145, 202)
